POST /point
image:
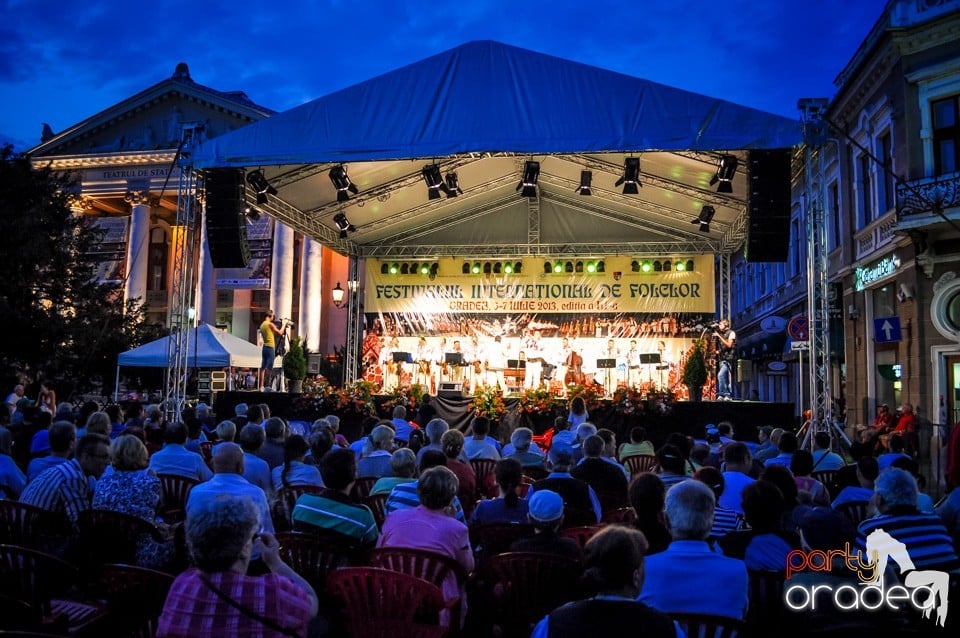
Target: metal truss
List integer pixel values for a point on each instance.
(735, 234)
(302, 222)
(429, 228)
(352, 354)
(183, 280)
(814, 134)
(638, 249)
(723, 281)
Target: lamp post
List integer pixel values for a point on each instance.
(338, 295)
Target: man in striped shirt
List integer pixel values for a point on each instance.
(64, 488)
(405, 496)
(333, 509)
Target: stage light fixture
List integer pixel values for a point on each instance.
(518, 267)
(601, 266)
(424, 269)
(681, 267)
(394, 269)
(646, 266)
(434, 269)
(591, 267)
(434, 180)
(251, 213)
(547, 268)
(404, 269)
(487, 268)
(343, 224)
(260, 185)
(568, 266)
(579, 266)
(657, 265)
(476, 268)
(558, 267)
(453, 185)
(466, 268)
(725, 172)
(689, 265)
(384, 269)
(497, 268)
(667, 265)
(531, 173)
(704, 219)
(586, 179)
(508, 268)
(631, 176)
(635, 266)
(341, 181)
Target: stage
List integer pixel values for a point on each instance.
(687, 417)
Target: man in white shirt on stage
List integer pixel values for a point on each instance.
(496, 364)
(534, 355)
(422, 358)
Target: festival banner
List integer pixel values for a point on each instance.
(256, 275)
(610, 285)
(111, 252)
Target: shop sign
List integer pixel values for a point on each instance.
(863, 277)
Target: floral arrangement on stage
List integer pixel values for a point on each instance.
(591, 397)
(539, 400)
(357, 398)
(409, 396)
(488, 402)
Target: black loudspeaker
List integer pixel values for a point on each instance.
(226, 223)
(768, 225)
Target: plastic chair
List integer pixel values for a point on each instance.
(578, 517)
(382, 603)
(495, 538)
(134, 597)
(581, 534)
(639, 463)
(206, 451)
(362, 487)
(855, 511)
(40, 579)
(286, 500)
(313, 556)
(612, 500)
(377, 504)
(765, 597)
(429, 566)
(621, 515)
(112, 537)
(175, 490)
(30, 526)
(536, 473)
(828, 478)
(525, 586)
(706, 626)
(484, 469)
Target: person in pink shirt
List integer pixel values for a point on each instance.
(431, 526)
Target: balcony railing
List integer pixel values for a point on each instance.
(929, 197)
(875, 236)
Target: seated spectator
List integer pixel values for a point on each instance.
(949, 513)
(418, 439)
(65, 488)
(240, 417)
(564, 432)
(228, 478)
(321, 441)
(272, 449)
(130, 490)
(479, 445)
(785, 450)
(431, 526)
(402, 424)
(102, 419)
(867, 472)
(403, 469)
(598, 473)
(174, 458)
(12, 480)
(61, 439)
(724, 520)
(216, 598)
(763, 441)
(702, 456)
(226, 433)
(823, 458)
(255, 470)
(672, 465)
(772, 450)
(195, 435)
(366, 427)
(766, 544)
(782, 477)
(736, 475)
(609, 453)
(508, 507)
(615, 570)
(689, 559)
(647, 495)
(895, 451)
(452, 442)
(434, 431)
(294, 472)
(725, 430)
(575, 493)
(545, 513)
(924, 501)
(638, 444)
(338, 439)
(810, 488)
(683, 444)
(405, 495)
(333, 509)
(584, 431)
(521, 441)
(924, 536)
(375, 461)
(117, 418)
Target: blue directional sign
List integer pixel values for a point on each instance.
(886, 329)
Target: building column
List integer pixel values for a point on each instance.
(138, 246)
(311, 293)
(240, 327)
(281, 279)
(206, 282)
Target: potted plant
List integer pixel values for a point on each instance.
(695, 370)
(295, 365)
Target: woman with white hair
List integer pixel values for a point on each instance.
(216, 597)
(376, 459)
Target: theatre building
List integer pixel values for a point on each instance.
(128, 169)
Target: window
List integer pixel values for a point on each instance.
(864, 189)
(946, 136)
(887, 189)
(833, 201)
(157, 261)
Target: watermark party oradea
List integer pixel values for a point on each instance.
(925, 591)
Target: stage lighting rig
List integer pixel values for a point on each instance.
(260, 185)
(341, 181)
(631, 176)
(725, 172)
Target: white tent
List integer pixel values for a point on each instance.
(207, 347)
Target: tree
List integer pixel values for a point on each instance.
(695, 369)
(59, 322)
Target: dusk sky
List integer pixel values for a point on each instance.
(62, 61)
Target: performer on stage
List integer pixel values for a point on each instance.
(391, 369)
(561, 359)
(610, 376)
(441, 371)
(633, 365)
(726, 339)
(457, 371)
(475, 357)
(269, 332)
(496, 360)
(422, 357)
(533, 349)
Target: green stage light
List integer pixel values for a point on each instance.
(424, 269)
(476, 268)
(591, 266)
(394, 269)
(558, 267)
(680, 266)
(646, 266)
(508, 268)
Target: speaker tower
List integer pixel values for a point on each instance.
(768, 225)
(226, 222)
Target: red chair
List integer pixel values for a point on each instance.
(536, 472)
(429, 566)
(486, 482)
(706, 626)
(362, 487)
(282, 510)
(112, 537)
(855, 511)
(175, 490)
(382, 603)
(313, 556)
(621, 515)
(134, 597)
(377, 504)
(496, 538)
(30, 526)
(206, 451)
(578, 517)
(639, 463)
(581, 534)
(612, 500)
(525, 586)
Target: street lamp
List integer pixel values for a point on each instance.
(338, 295)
